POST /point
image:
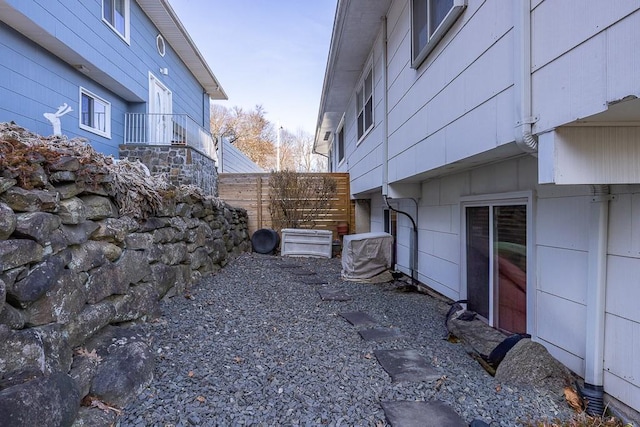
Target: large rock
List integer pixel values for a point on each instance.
(7, 221)
(57, 350)
(529, 363)
(17, 252)
(78, 234)
(165, 277)
(61, 303)
(168, 235)
(13, 317)
(72, 211)
(99, 207)
(140, 301)
(65, 163)
(134, 266)
(92, 254)
(38, 281)
(115, 230)
(139, 241)
(43, 402)
(36, 226)
(476, 334)
(21, 200)
(126, 367)
(20, 351)
(94, 417)
(3, 294)
(6, 183)
(168, 253)
(92, 318)
(104, 281)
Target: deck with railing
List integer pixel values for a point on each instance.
(168, 129)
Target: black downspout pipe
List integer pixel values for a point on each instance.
(414, 243)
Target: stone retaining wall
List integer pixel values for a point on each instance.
(73, 273)
(183, 165)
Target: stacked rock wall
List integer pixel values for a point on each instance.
(73, 273)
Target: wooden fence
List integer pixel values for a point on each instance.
(251, 192)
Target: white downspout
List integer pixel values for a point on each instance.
(522, 79)
(385, 109)
(596, 295)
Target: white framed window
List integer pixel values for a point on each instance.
(430, 20)
(364, 104)
(95, 114)
(116, 14)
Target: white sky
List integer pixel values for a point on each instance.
(267, 52)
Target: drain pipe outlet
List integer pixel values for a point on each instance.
(596, 292)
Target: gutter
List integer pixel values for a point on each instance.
(524, 137)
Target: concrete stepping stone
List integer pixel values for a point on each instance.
(406, 366)
(380, 334)
(359, 318)
(333, 295)
(434, 413)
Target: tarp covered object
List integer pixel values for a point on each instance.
(366, 255)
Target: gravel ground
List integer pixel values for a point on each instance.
(254, 345)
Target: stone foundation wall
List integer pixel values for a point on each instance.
(183, 165)
(73, 272)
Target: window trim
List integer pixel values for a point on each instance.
(161, 45)
(362, 92)
(417, 58)
(107, 132)
(127, 21)
(340, 131)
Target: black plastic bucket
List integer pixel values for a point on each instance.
(265, 241)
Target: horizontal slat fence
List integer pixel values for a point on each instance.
(251, 192)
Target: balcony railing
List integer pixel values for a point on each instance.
(167, 129)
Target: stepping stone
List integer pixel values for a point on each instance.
(359, 318)
(406, 366)
(333, 295)
(434, 413)
(380, 334)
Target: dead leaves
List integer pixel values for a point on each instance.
(201, 399)
(94, 402)
(573, 399)
(91, 355)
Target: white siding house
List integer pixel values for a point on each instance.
(510, 133)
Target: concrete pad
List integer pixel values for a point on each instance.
(380, 334)
(359, 318)
(333, 295)
(434, 413)
(406, 366)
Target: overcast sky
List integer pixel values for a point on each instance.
(267, 52)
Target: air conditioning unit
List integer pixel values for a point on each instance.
(366, 255)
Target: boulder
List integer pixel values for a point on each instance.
(17, 252)
(36, 226)
(115, 230)
(66, 176)
(12, 317)
(92, 318)
(123, 373)
(6, 183)
(94, 417)
(167, 235)
(65, 163)
(99, 207)
(104, 281)
(77, 234)
(21, 351)
(138, 241)
(45, 401)
(198, 258)
(529, 363)
(72, 211)
(140, 301)
(7, 221)
(92, 254)
(57, 350)
(21, 200)
(60, 303)
(38, 281)
(134, 266)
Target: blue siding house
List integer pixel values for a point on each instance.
(112, 71)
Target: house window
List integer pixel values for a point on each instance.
(431, 19)
(364, 105)
(340, 143)
(160, 45)
(95, 114)
(496, 263)
(116, 14)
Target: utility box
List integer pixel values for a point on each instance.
(306, 243)
(366, 255)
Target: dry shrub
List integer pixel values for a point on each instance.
(299, 200)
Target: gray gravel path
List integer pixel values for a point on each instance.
(257, 346)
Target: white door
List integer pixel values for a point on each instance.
(160, 108)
